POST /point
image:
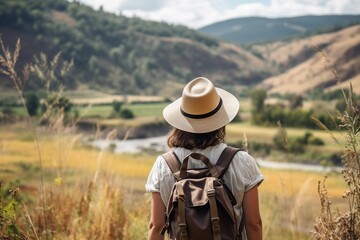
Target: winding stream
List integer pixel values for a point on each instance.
(159, 144)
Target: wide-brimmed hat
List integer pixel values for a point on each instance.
(202, 107)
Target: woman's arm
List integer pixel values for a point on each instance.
(253, 222)
(157, 217)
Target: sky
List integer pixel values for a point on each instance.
(199, 13)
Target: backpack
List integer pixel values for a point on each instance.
(200, 204)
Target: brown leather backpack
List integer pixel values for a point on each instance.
(200, 205)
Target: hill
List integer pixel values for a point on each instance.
(303, 68)
(251, 30)
(117, 54)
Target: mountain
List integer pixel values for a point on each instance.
(308, 64)
(122, 55)
(251, 30)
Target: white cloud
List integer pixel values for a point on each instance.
(185, 12)
(141, 5)
(107, 5)
(202, 12)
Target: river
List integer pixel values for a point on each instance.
(159, 144)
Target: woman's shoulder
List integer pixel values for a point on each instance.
(212, 152)
(243, 159)
(243, 153)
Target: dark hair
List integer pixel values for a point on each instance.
(179, 138)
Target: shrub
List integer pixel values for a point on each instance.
(295, 146)
(305, 139)
(32, 104)
(127, 114)
(315, 141)
(280, 140)
(260, 147)
(8, 211)
(7, 111)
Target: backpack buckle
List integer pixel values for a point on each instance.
(215, 224)
(182, 225)
(183, 232)
(210, 192)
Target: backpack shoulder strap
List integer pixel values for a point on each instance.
(173, 162)
(225, 159)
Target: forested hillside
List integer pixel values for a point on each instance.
(250, 30)
(122, 55)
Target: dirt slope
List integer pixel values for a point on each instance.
(306, 64)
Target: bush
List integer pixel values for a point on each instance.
(260, 147)
(127, 114)
(32, 104)
(279, 141)
(8, 214)
(315, 141)
(305, 139)
(295, 146)
(7, 111)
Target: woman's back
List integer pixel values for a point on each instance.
(199, 118)
(242, 174)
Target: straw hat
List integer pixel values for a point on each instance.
(202, 107)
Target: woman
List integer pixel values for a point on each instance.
(199, 118)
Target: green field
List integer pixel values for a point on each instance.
(139, 109)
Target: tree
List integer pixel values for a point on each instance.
(32, 104)
(65, 104)
(116, 106)
(58, 103)
(296, 101)
(280, 140)
(258, 97)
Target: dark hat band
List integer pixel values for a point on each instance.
(201, 116)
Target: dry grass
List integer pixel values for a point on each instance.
(63, 210)
(289, 202)
(282, 192)
(77, 213)
(345, 224)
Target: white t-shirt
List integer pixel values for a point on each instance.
(242, 174)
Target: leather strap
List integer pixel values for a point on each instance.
(225, 159)
(198, 156)
(242, 225)
(213, 210)
(173, 162)
(181, 209)
(222, 165)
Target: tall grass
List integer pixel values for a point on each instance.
(8, 62)
(66, 209)
(331, 223)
